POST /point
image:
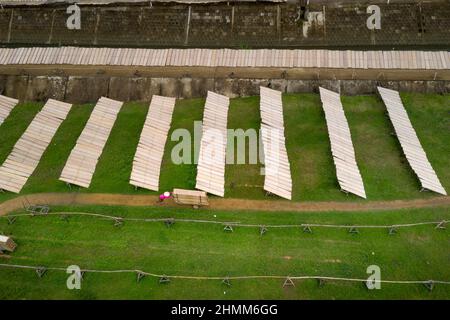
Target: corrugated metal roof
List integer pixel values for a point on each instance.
(409, 141)
(28, 150)
(277, 168)
(347, 170)
(150, 150)
(213, 144)
(264, 58)
(82, 162)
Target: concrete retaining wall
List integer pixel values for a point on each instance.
(83, 89)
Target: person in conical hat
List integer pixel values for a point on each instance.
(164, 196)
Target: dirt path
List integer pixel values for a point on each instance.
(219, 204)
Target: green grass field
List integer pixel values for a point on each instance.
(416, 253)
(384, 169)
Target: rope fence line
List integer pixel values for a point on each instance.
(166, 278)
(40, 270)
(439, 224)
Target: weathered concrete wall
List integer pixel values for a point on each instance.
(82, 89)
(302, 2)
(239, 25)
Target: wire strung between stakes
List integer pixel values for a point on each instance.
(288, 280)
(229, 225)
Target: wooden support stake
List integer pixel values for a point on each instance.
(41, 271)
(226, 281)
(307, 229)
(164, 279)
(169, 222)
(140, 275)
(320, 282)
(228, 228)
(262, 230)
(392, 230)
(38, 210)
(44, 209)
(118, 222)
(353, 230)
(429, 285)
(82, 274)
(441, 225)
(288, 282)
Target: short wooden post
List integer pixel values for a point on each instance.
(140, 275)
(228, 228)
(164, 279)
(392, 230)
(262, 230)
(226, 281)
(41, 271)
(118, 222)
(429, 285)
(169, 222)
(288, 282)
(307, 229)
(441, 225)
(353, 230)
